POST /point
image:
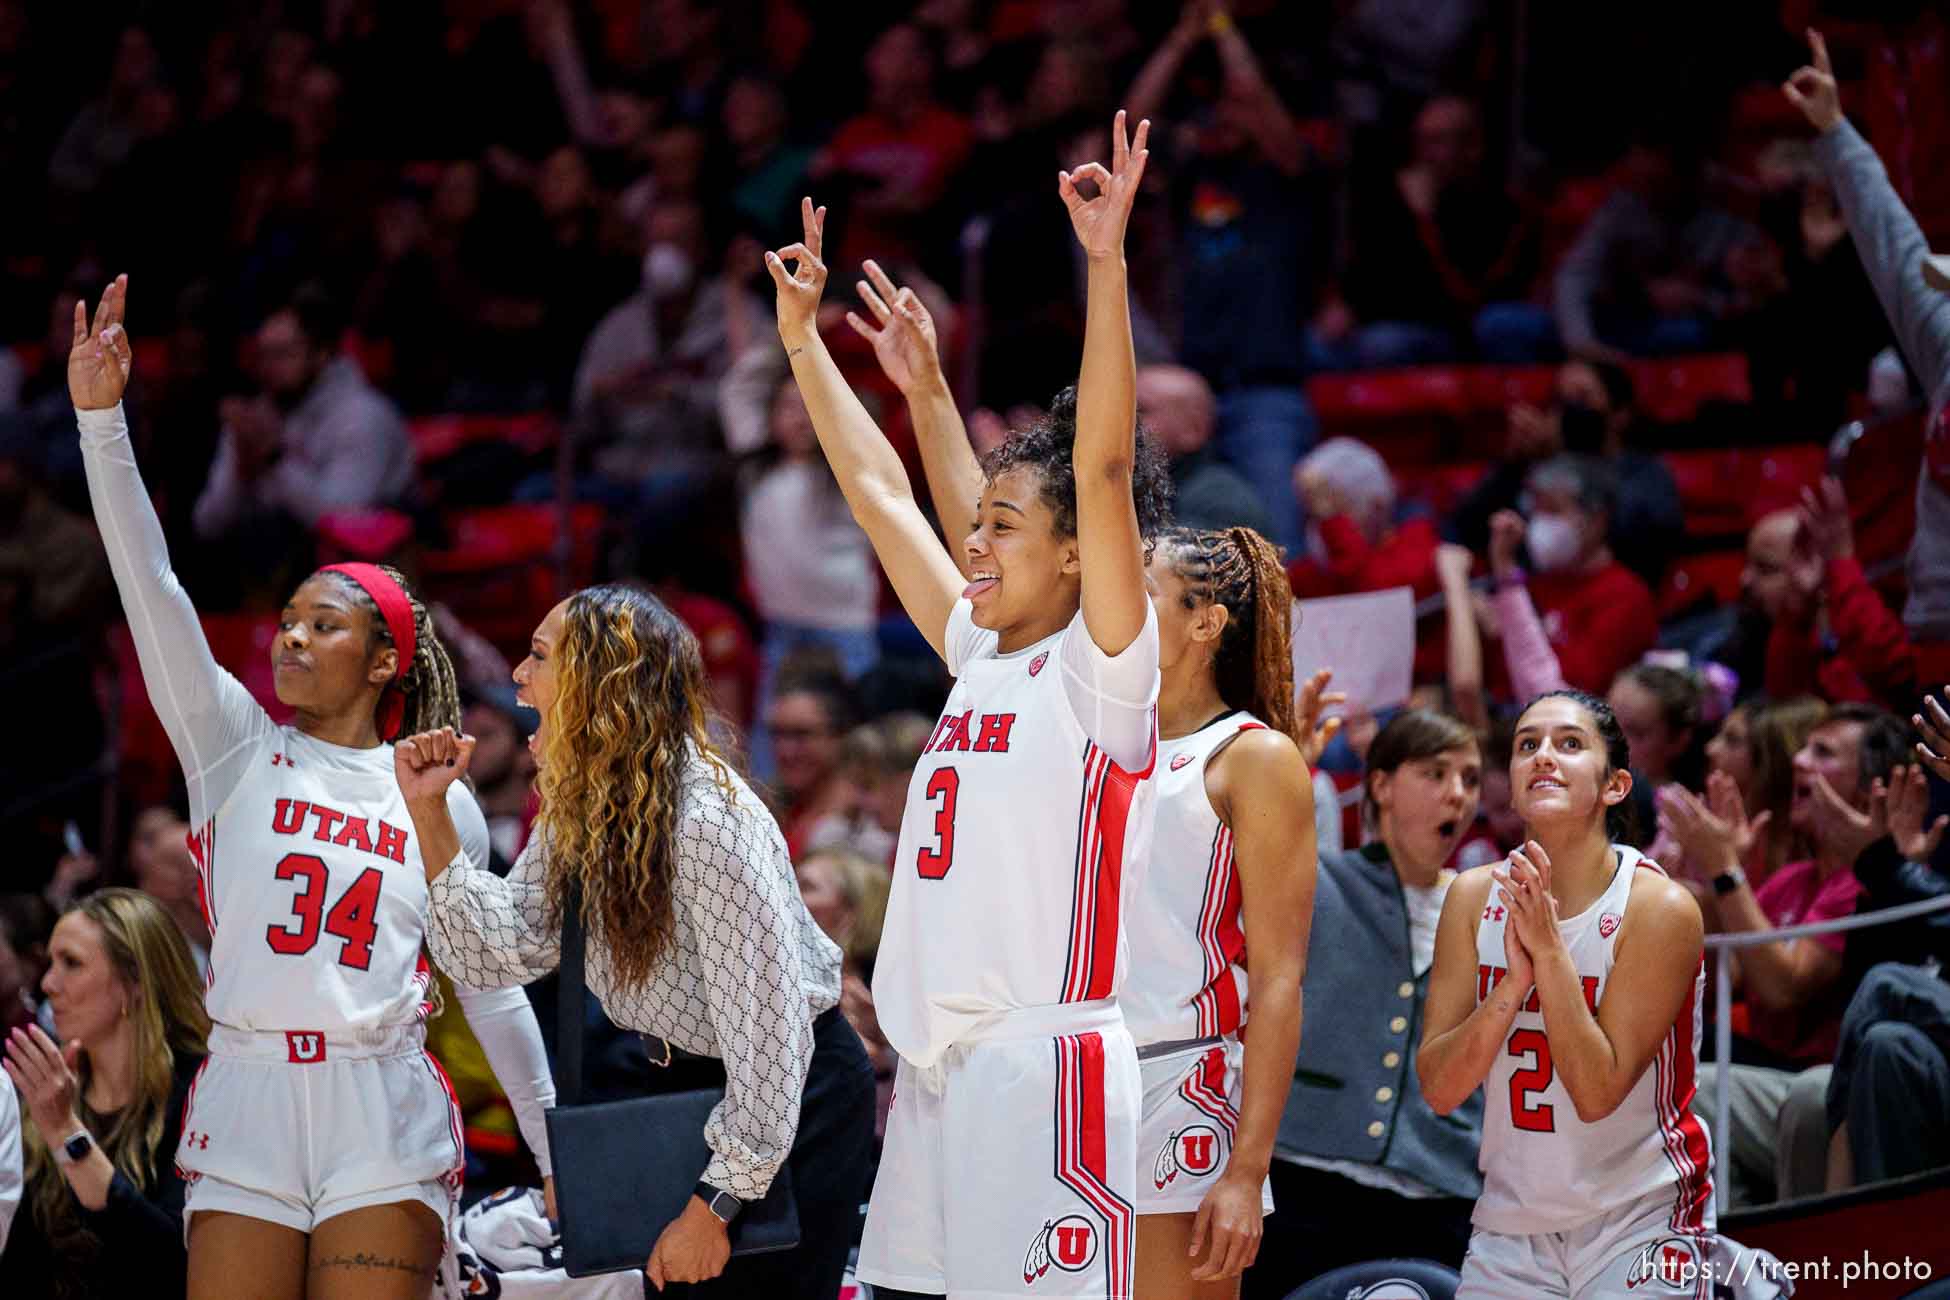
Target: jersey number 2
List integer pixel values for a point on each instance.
(354, 918)
(933, 863)
(1534, 1117)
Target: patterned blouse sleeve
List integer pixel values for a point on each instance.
(740, 901)
(489, 932)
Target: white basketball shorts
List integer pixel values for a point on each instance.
(297, 1128)
(1630, 1254)
(1191, 1112)
(1008, 1165)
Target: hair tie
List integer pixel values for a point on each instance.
(396, 608)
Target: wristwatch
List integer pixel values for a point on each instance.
(76, 1148)
(1728, 881)
(723, 1204)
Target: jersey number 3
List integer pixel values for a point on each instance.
(1534, 1117)
(933, 862)
(354, 918)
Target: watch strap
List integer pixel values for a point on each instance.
(721, 1203)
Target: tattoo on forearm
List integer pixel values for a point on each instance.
(373, 1263)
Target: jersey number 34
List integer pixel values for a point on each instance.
(354, 918)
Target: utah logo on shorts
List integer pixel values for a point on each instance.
(304, 1046)
(1673, 1264)
(1070, 1243)
(1193, 1150)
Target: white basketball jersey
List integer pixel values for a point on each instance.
(1546, 1170)
(1187, 940)
(1020, 842)
(313, 889)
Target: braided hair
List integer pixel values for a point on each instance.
(1239, 569)
(432, 691)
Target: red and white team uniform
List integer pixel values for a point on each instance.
(318, 1096)
(1011, 1145)
(1622, 1207)
(1185, 1002)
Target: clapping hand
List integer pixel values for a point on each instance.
(47, 1079)
(1908, 807)
(799, 289)
(426, 764)
(904, 343)
(1824, 518)
(1525, 883)
(1812, 89)
(1845, 829)
(1099, 222)
(100, 359)
(1313, 699)
(1933, 751)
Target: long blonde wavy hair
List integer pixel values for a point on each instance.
(630, 707)
(152, 961)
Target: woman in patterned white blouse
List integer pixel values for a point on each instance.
(696, 930)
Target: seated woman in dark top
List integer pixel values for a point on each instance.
(103, 1210)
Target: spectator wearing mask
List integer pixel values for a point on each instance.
(1440, 255)
(1583, 617)
(1648, 274)
(1250, 230)
(646, 389)
(1829, 633)
(896, 158)
(1355, 543)
(315, 438)
(1794, 988)
(1914, 287)
(1177, 405)
(1592, 414)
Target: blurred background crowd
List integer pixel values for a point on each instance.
(1542, 311)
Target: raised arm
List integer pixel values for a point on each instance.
(869, 471)
(1891, 245)
(904, 342)
(206, 712)
(1108, 540)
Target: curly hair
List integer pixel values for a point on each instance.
(1049, 445)
(1241, 570)
(432, 691)
(630, 708)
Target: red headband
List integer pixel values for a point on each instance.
(397, 610)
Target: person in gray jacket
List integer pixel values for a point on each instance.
(1363, 1168)
(1915, 292)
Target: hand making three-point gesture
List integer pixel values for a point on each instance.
(800, 288)
(100, 360)
(1100, 221)
(1812, 88)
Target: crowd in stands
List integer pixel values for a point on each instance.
(1631, 384)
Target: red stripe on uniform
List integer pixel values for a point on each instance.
(423, 976)
(454, 1176)
(1083, 900)
(1684, 1135)
(1082, 1162)
(1113, 821)
(1205, 1089)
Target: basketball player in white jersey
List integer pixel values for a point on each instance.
(1232, 854)
(1010, 1157)
(1567, 984)
(321, 1143)
(1234, 836)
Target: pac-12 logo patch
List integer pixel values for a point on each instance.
(1070, 1243)
(1193, 1150)
(1036, 664)
(1608, 924)
(1180, 761)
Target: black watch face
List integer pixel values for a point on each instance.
(77, 1146)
